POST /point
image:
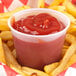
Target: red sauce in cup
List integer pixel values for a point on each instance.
(73, 2)
(41, 24)
(36, 55)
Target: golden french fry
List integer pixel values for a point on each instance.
(65, 47)
(4, 24)
(72, 28)
(19, 71)
(49, 68)
(56, 2)
(26, 7)
(9, 57)
(71, 61)
(70, 8)
(6, 35)
(58, 8)
(10, 43)
(65, 59)
(14, 53)
(41, 3)
(8, 14)
(3, 21)
(53, 7)
(70, 38)
(63, 52)
(32, 72)
(4, 28)
(2, 54)
(66, 43)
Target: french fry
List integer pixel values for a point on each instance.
(3, 20)
(19, 71)
(58, 8)
(56, 2)
(41, 3)
(4, 28)
(65, 47)
(53, 7)
(71, 61)
(2, 54)
(70, 8)
(14, 53)
(26, 7)
(70, 38)
(4, 24)
(9, 57)
(65, 59)
(64, 51)
(61, 9)
(31, 72)
(51, 67)
(72, 28)
(66, 43)
(6, 35)
(8, 14)
(10, 43)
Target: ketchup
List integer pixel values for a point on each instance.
(74, 2)
(41, 24)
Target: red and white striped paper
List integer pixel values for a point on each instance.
(12, 4)
(1, 7)
(71, 71)
(6, 71)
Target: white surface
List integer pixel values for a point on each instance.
(15, 4)
(2, 71)
(71, 72)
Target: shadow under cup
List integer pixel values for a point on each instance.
(35, 51)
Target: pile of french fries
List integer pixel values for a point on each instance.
(8, 52)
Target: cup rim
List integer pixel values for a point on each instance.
(68, 20)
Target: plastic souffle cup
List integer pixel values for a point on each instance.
(38, 50)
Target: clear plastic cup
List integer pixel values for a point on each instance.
(38, 50)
